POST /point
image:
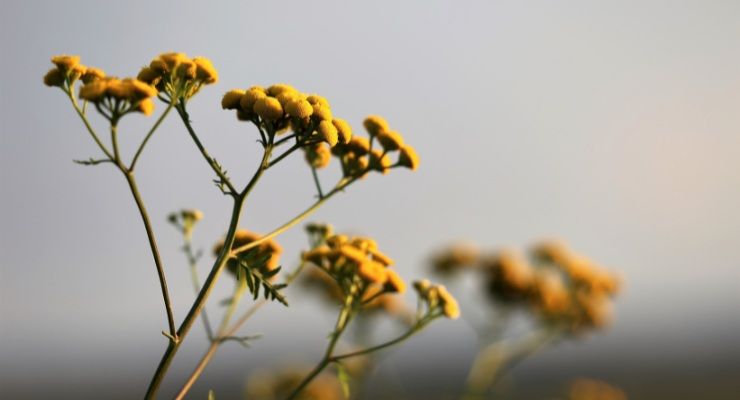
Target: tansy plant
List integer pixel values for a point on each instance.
(286, 121)
(562, 293)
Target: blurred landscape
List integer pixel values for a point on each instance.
(615, 127)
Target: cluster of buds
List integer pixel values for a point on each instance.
(437, 299)
(357, 269)
(68, 70)
(185, 220)
(281, 107)
(358, 156)
(559, 285)
(265, 257)
(177, 75)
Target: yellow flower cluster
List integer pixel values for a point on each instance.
(558, 284)
(178, 75)
(356, 266)
(269, 250)
(455, 257)
(591, 389)
(129, 94)
(68, 69)
(281, 107)
(437, 297)
(358, 155)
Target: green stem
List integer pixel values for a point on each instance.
(149, 134)
(211, 162)
(200, 301)
(342, 321)
(192, 260)
(300, 217)
(317, 181)
(155, 251)
(287, 153)
(87, 124)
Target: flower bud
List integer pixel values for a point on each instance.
(54, 77)
(408, 158)
(328, 133)
(205, 71)
(390, 140)
(231, 99)
(343, 129)
(374, 124)
(268, 108)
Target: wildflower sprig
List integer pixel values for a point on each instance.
(174, 79)
(563, 292)
(114, 98)
(362, 274)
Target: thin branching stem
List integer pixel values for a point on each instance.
(149, 135)
(155, 251)
(211, 162)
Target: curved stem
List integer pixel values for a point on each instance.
(149, 134)
(199, 303)
(155, 251)
(213, 164)
(192, 260)
(300, 217)
(87, 124)
(342, 321)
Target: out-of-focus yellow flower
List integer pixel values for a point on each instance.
(343, 129)
(390, 140)
(422, 287)
(318, 155)
(205, 71)
(65, 62)
(92, 74)
(394, 282)
(231, 99)
(552, 298)
(173, 60)
(145, 107)
(374, 124)
(54, 77)
(408, 158)
(359, 145)
(510, 275)
(380, 161)
(315, 99)
(589, 389)
(455, 257)
(352, 253)
(186, 69)
(77, 71)
(268, 108)
(372, 272)
(328, 133)
(94, 91)
(380, 257)
(149, 76)
(450, 308)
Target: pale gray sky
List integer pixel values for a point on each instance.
(613, 125)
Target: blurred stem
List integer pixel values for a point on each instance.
(317, 181)
(345, 315)
(193, 262)
(225, 332)
(499, 357)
